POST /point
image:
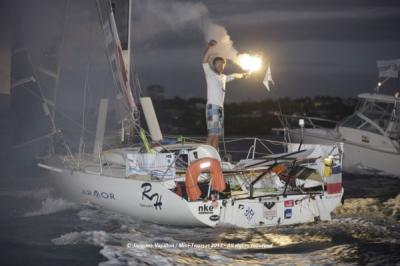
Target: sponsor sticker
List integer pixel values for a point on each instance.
(288, 203)
(288, 213)
(214, 218)
(249, 213)
(205, 209)
(270, 210)
(155, 197)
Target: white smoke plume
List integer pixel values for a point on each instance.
(224, 45)
(155, 18)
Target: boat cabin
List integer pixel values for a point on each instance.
(376, 118)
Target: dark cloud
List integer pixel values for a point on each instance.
(219, 8)
(315, 47)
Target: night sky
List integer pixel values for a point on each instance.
(314, 47)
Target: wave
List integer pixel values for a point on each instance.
(357, 229)
(97, 238)
(392, 207)
(50, 205)
(371, 207)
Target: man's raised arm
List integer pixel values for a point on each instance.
(207, 52)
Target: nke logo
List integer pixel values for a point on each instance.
(146, 189)
(205, 209)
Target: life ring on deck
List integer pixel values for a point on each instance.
(279, 169)
(195, 169)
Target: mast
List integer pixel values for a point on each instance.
(121, 64)
(115, 55)
(128, 64)
(60, 61)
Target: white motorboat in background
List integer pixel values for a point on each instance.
(371, 135)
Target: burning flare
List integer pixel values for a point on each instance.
(249, 62)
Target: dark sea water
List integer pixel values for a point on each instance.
(37, 227)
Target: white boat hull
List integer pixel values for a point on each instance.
(152, 201)
(126, 196)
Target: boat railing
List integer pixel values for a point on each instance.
(265, 146)
(231, 149)
(292, 121)
(248, 147)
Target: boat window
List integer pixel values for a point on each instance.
(380, 113)
(370, 128)
(378, 109)
(353, 121)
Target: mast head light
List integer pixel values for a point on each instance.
(301, 122)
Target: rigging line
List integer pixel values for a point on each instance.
(231, 151)
(265, 146)
(232, 140)
(52, 114)
(135, 81)
(263, 142)
(85, 89)
(69, 118)
(224, 144)
(193, 139)
(54, 132)
(116, 87)
(163, 146)
(61, 57)
(286, 136)
(33, 140)
(41, 97)
(138, 92)
(273, 142)
(108, 57)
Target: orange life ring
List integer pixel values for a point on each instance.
(278, 169)
(192, 173)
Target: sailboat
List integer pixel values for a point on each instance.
(187, 183)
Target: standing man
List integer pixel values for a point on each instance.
(216, 81)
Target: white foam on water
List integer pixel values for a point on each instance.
(115, 248)
(117, 255)
(51, 205)
(368, 220)
(370, 207)
(392, 207)
(86, 214)
(97, 238)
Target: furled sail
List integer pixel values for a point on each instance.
(115, 54)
